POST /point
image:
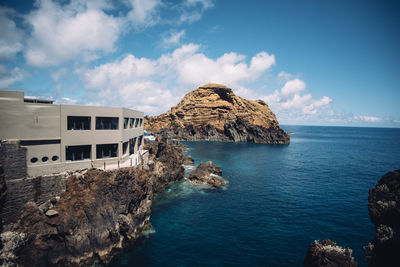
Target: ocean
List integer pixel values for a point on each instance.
(280, 198)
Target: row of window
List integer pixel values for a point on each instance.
(83, 152)
(74, 153)
(102, 123)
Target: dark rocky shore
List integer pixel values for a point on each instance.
(383, 250)
(236, 131)
(98, 214)
(384, 211)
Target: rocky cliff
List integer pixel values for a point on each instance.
(99, 213)
(384, 210)
(213, 112)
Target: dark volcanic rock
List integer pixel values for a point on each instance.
(207, 174)
(237, 131)
(98, 214)
(188, 160)
(384, 211)
(165, 161)
(327, 253)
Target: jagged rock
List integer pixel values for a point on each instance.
(207, 174)
(213, 112)
(99, 213)
(51, 213)
(384, 211)
(12, 242)
(188, 160)
(167, 160)
(328, 254)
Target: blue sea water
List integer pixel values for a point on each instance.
(280, 198)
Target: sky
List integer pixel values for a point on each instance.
(314, 62)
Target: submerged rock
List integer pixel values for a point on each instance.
(329, 254)
(207, 174)
(213, 112)
(384, 211)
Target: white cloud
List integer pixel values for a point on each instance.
(368, 118)
(11, 37)
(284, 75)
(293, 87)
(8, 78)
(146, 84)
(173, 38)
(193, 67)
(293, 103)
(116, 73)
(67, 101)
(192, 10)
(79, 30)
(261, 62)
(144, 12)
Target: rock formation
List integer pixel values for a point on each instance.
(98, 214)
(328, 254)
(384, 211)
(207, 174)
(213, 112)
(165, 161)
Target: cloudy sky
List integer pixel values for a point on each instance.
(314, 62)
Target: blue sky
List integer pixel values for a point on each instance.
(314, 62)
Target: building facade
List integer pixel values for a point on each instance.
(61, 138)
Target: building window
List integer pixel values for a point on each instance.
(45, 159)
(106, 123)
(106, 151)
(136, 123)
(131, 122)
(34, 160)
(126, 121)
(125, 148)
(141, 122)
(54, 158)
(132, 144)
(78, 123)
(78, 152)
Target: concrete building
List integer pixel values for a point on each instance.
(61, 138)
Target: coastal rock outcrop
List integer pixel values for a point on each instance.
(384, 211)
(207, 174)
(213, 112)
(98, 214)
(165, 161)
(328, 254)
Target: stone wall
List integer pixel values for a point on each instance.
(37, 189)
(20, 188)
(13, 160)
